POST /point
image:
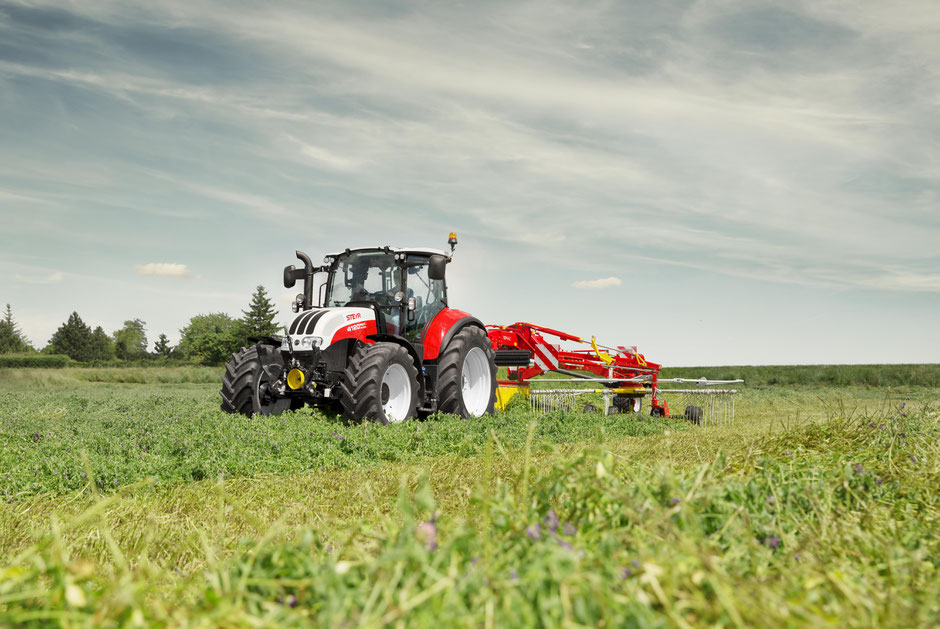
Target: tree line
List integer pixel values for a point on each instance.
(207, 338)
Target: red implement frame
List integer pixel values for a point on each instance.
(621, 365)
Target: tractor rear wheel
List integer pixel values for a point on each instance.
(466, 375)
(694, 414)
(380, 383)
(245, 386)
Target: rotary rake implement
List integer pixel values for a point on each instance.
(620, 376)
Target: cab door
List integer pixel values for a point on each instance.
(430, 297)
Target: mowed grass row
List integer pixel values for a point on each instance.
(831, 522)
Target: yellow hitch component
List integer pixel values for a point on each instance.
(604, 356)
(295, 379)
(505, 392)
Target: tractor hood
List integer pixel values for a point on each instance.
(321, 327)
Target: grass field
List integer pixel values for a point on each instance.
(130, 499)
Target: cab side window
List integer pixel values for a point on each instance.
(428, 295)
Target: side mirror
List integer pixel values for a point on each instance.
(289, 279)
(291, 275)
(436, 267)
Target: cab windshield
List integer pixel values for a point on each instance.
(365, 276)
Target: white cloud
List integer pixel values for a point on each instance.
(606, 282)
(52, 278)
(163, 269)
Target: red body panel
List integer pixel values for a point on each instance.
(358, 330)
(438, 328)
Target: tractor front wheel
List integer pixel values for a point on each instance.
(466, 381)
(245, 386)
(380, 383)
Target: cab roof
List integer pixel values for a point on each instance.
(419, 251)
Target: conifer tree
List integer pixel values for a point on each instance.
(162, 346)
(74, 339)
(258, 320)
(12, 340)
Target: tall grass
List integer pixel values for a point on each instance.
(825, 523)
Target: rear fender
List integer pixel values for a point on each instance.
(442, 329)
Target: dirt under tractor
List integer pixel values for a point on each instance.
(375, 338)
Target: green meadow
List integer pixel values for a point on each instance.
(129, 499)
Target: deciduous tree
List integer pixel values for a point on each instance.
(130, 342)
(210, 338)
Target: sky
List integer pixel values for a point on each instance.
(715, 182)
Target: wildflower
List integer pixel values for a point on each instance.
(772, 542)
(569, 529)
(675, 501)
(880, 480)
(427, 533)
(771, 501)
(913, 459)
(627, 573)
(903, 435)
(904, 414)
(859, 469)
(514, 575)
(551, 521)
(292, 600)
(789, 452)
(565, 545)
(534, 531)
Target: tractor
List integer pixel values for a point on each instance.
(380, 342)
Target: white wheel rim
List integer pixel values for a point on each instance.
(399, 393)
(476, 382)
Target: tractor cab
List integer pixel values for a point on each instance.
(405, 287)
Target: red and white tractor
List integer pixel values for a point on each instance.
(378, 341)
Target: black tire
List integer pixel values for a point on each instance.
(656, 412)
(450, 373)
(363, 392)
(244, 386)
(590, 408)
(694, 414)
(625, 404)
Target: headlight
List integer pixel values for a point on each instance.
(307, 342)
(298, 303)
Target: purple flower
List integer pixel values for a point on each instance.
(552, 521)
(772, 542)
(903, 404)
(880, 480)
(329, 548)
(904, 414)
(627, 573)
(514, 575)
(788, 452)
(564, 544)
(534, 531)
(427, 533)
(675, 501)
(569, 529)
(292, 600)
(771, 501)
(913, 459)
(859, 469)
